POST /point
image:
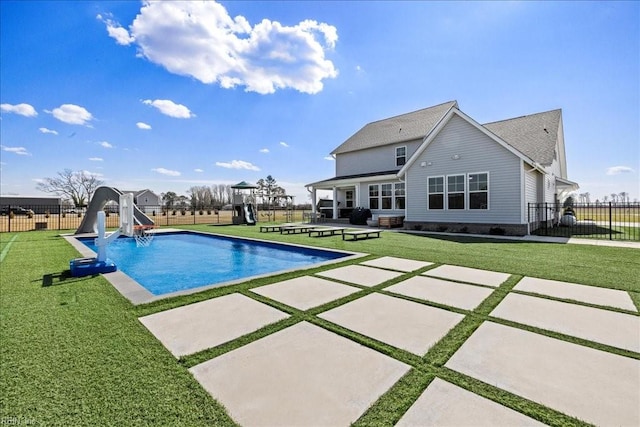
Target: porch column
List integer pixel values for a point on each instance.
(314, 209)
(335, 203)
(356, 196)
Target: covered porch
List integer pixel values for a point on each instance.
(346, 194)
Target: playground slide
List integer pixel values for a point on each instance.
(100, 198)
(249, 215)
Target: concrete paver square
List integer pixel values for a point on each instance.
(470, 275)
(445, 404)
(594, 324)
(196, 327)
(305, 292)
(576, 292)
(454, 294)
(300, 376)
(400, 264)
(404, 324)
(592, 385)
(360, 275)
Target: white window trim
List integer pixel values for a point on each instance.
(479, 191)
(405, 155)
(369, 195)
(444, 184)
(393, 196)
(464, 192)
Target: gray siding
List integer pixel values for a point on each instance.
(478, 153)
(531, 187)
(372, 160)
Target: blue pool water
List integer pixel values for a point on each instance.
(179, 261)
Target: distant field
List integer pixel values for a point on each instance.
(72, 221)
(601, 214)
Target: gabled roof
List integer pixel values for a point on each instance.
(534, 135)
(405, 127)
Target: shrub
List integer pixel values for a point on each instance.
(47, 214)
(442, 228)
(498, 231)
(201, 212)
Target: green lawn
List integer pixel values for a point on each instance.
(73, 352)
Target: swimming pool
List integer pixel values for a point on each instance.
(183, 261)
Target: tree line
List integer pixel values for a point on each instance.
(77, 188)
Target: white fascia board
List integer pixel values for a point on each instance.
(445, 119)
(327, 185)
(427, 139)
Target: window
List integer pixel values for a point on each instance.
(401, 156)
(348, 198)
(435, 188)
(399, 195)
(455, 192)
(478, 191)
(387, 196)
(373, 196)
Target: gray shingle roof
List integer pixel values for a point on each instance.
(396, 129)
(534, 135)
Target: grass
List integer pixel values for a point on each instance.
(74, 353)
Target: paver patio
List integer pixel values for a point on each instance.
(404, 324)
(196, 327)
(445, 404)
(305, 292)
(469, 275)
(400, 264)
(300, 376)
(454, 294)
(593, 385)
(360, 275)
(576, 292)
(607, 327)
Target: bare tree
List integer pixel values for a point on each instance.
(623, 196)
(77, 186)
(614, 197)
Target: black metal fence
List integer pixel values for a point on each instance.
(611, 221)
(55, 217)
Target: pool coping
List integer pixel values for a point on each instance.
(138, 294)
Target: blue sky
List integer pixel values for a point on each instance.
(175, 94)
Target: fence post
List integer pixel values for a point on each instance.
(610, 224)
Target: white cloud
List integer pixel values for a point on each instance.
(329, 158)
(211, 46)
(170, 108)
(21, 109)
(617, 170)
(96, 159)
(45, 130)
(105, 144)
(198, 170)
(264, 150)
(88, 173)
(142, 125)
(238, 164)
(71, 114)
(164, 171)
(284, 144)
(21, 151)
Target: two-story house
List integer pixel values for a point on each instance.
(442, 170)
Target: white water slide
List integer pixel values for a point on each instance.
(101, 196)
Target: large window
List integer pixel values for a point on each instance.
(374, 192)
(478, 191)
(436, 192)
(399, 195)
(455, 192)
(348, 199)
(387, 196)
(464, 191)
(401, 156)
